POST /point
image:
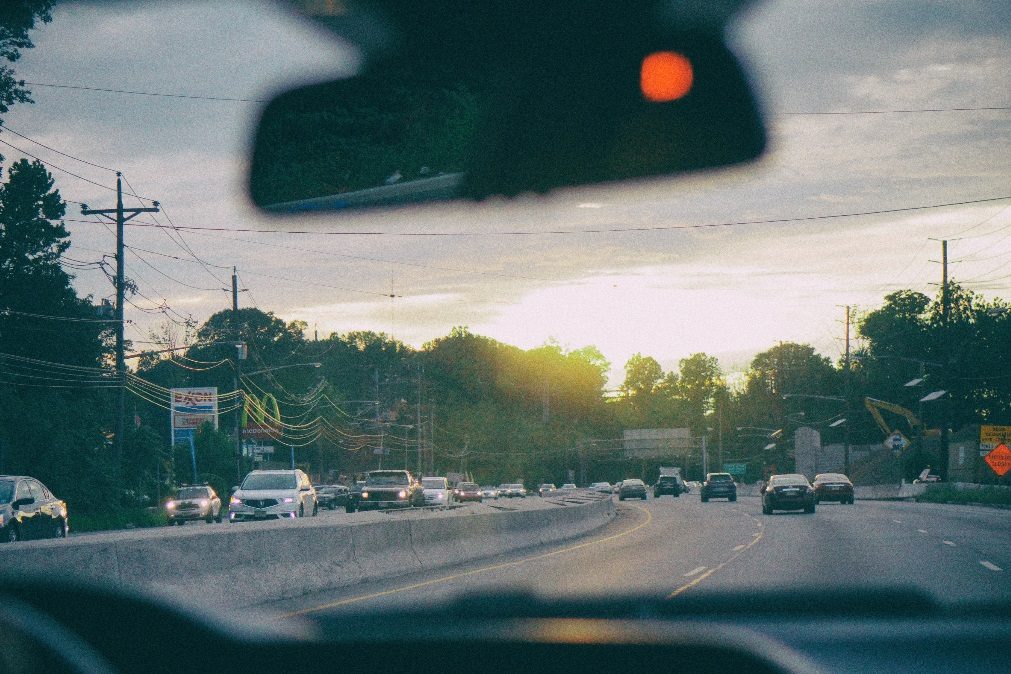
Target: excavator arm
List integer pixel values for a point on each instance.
(874, 406)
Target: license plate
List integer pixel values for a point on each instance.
(259, 512)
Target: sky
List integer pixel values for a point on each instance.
(686, 285)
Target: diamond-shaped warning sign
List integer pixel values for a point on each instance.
(999, 459)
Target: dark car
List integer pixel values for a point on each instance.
(546, 489)
(671, 485)
(791, 491)
(193, 502)
(512, 490)
(29, 510)
(354, 496)
(833, 487)
(385, 489)
(718, 485)
(632, 488)
(467, 491)
(332, 496)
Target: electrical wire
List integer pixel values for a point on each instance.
(6, 127)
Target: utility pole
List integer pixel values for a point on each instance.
(846, 395)
(942, 468)
(120, 216)
(418, 418)
(240, 355)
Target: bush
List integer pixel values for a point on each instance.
(948, 493)
(127, 518)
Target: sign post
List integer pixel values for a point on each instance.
(189, 408)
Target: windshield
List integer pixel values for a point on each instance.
(193, 492)
(434, 483)
(840, 306)
(788, 480)
(388, 478)
(268, 481)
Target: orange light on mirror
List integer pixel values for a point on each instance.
(665, 76)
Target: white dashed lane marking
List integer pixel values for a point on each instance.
(695, 571)
(922, 531)
(990, 565)
(948, 543)
(739, 547)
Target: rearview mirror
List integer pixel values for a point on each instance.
(509, 98)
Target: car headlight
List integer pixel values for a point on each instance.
(402, 494)
(287, 499)
(170, 504)
(204, 503)
(365, 494)
(235, 501)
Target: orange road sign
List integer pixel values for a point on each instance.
(999, 459)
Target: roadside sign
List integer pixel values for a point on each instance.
(896, 442)
(991, 436)
(999, 459)
(738, 469)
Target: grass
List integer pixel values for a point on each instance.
(130, 518)
(946, 493)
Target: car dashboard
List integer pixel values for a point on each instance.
(86, 628)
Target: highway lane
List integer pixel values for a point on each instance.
(669, 547)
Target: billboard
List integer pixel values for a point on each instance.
(189, 408)
(656, 442)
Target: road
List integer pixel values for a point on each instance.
(668, 547)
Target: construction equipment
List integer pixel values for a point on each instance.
(874, 406)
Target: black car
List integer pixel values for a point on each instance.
(332, 496)
(546, 489)
(633, 488)
(833, 487)
(718, 485)
(29, 510)
(384, 489)
(669, 484)
(791, 491)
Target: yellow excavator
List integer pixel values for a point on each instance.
(874, 406)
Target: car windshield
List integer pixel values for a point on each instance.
(467, 485)
(387, 478)
(6, 491)
(788, 481)
(269, 481)
(434, 483)
(193, 492)
(840, 305)
(831, 477)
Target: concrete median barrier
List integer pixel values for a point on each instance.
(246, 564)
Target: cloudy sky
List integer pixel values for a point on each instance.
(680, 288)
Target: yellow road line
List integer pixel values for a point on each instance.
(462, 574)
(698, 579)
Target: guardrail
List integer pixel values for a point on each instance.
(242, 565)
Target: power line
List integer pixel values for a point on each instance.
(142, 93)
(53, 149)
(260, 100)
(566, 232)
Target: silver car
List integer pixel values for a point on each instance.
(273, 494)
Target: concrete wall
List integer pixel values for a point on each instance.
(242, 565)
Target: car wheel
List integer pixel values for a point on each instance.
(315, 509)
(732, 498)
(349, 508)
(60, 530)
(809, 509)
(621, 498)
(301, 510)
(643, 497)
(705, 499)
(180, 522)
(218, 518)
(766, 510)
(209, 519)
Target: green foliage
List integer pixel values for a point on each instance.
(17, 18)
(985, 494)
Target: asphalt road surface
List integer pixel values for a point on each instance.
(668, 547)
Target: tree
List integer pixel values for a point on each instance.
(17, 18)
(642, 376)
(699, 382)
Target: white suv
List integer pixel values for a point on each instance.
(273, 494)
(437, 491)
